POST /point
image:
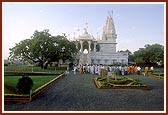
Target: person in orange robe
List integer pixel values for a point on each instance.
(146, 71)
(129, 69)
(135, 70)
(81, 69)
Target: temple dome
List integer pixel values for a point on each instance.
(85, 35)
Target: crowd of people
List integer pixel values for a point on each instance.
(119, 70)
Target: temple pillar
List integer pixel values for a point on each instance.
(81, 43)
(94, 47)
(81, 53)
(89, 42)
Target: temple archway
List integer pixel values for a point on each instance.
(92, 46)
(85, 45)
(97, 48)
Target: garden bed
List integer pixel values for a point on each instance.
(34, 94)
(119, 83)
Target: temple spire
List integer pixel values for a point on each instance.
(109, 32)
(86, 25)
(86, 28)
(110, 13)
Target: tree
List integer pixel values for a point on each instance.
(43, 48)
(151, 54)
(62, 49)
(36, 49)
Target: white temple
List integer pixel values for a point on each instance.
(100, 51)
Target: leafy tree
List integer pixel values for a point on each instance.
(64, 49)
(43, 48)
(129, 52)
(33, 50)
(151, 54)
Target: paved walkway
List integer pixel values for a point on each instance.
(79, 93)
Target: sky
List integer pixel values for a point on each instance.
(135, 24)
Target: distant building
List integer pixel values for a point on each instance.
(100, 51)
(13, 62)
(6, 62)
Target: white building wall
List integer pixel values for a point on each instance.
(109, 58)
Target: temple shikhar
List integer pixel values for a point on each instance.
(102, 51)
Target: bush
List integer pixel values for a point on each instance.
(24, 85)
(5, 64)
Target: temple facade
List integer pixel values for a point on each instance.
(101, 51)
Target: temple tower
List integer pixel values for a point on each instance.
(109, 36)
(100, 51)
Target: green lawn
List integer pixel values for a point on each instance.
(38, 81)
(31, 68)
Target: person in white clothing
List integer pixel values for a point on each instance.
(84, 68)
(75, 68)
(139, 70)
(92, 69)
(98, 69)
(152, 70)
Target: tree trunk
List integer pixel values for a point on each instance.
(58, 63)
(41, 65)
(46, 65)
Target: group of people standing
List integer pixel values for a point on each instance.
(146, 73)
(134, 70)
(93, 69)
(120, 70)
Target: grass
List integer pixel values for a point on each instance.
(159, 69)
(34, 70)
(39, 76)
(31, 68)
(11, 81)
(20, 73)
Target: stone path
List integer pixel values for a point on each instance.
(79, 93)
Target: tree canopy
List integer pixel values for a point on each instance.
(150, 54)
(44, 48)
